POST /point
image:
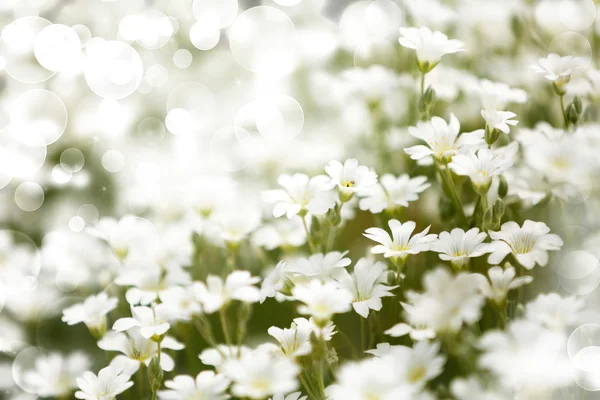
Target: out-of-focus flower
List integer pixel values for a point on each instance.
(500, 282)
(54, 375)
(320, 266)
(366, 285)
(215, 294)
(206, 386)
(217, 356)
(470, 388)
(350, 177)
(148, 282)
(430, 46)
(300, 193)
(392, 192)
(529, 244)
(322, 300)
(499, 119)
(92, 312)
(259, 374)
(12, 337)
(291, 396)
(553, 311)
(280, 233)
(180, 302)
(443, 140)
(109, 383)
(459, 246)
(151, 321)
(400, 244)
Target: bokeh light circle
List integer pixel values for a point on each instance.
(383, 18)
(579, 272)
(572, 44)
(375, 51)
(205, 36)
(39, 112)
(113, 70)
(263, 39)
(83, 32)
(72, 160)
(231, 148)
(29, 196)
(223, 12)
(113, 161)
(194, 105)
(89, 213)
(583, 349)
(57, 48)
(276, 118)
(151, 131)
(24, 362)
(17, 48)
(60, 176)
(182, 58)
(577, 15)
(287, 3)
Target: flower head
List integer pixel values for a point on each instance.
(152, 322)
(501, 280)
(350, 177)
(206, 386)
(558, 69)
(483, 165)
(239, 285)
(393, 192)
(430, 46)
(442, 139)
(499, 119)
(529, 243)
(55, 375)
(400, 244)
(322, 300)
(91, 312)
(459, 246)
(295, 340)
(109, 383)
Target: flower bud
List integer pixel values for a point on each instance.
(559, 85)
(572, 114)
(155, 374)
(578, 105)
(502, 187)
(487, 219)
(334, 216)
(499, 208)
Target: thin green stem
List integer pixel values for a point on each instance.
(564, 112)
(223, 319)
(363, 335)
(308, 236)
(446, 177)
(141, 381)
(307, 387)
(422, 83)
(484, 203)
(158, 351)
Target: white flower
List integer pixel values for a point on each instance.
(321, 266)
(322, 300)
(206, 386)
(291, 396)
(366, 285)
(446, 302)
(482, 166)
(529, 244)
(430, 46)
(152, 321)
(216, 357)
(443, 140)
(416, 334)
(500, 282)
(235, 224)
(422, 363)
(274, 282)
(92, 312)
(400, 244)
(148, 282)
(54, 375)
(499, 119)
(280, 233)
(553, 311)
(294, 341)
(558, 69)
(470, 388)
(458, 246)
(239, 285)
(392, 192)
(497, 95)
(106, 386)
(259, 374)
(350, 177)
(372, 84)
(137, 349)
(300, 193)
(526, 356)
(382, 349)
(12, 336)
(180, 303)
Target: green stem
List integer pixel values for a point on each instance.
(223, 318)
(564, 112)
(308, 237)
(363, 335)
(422, 84)
(158, 351)
(484, 203)
(141, 381)
(446, 177)
(307, 387)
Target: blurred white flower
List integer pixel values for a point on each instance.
(529, 244)
(180, 302)
(12, 337)
(392, 192)
(291, 396)
(148, 282)
(553, 311)
(443, 140)
(430, 46)
(501, 281)
(54, 375)
(215, 294)
(322, 300)
(92, 312)
(217, 356)
(151, 321)
(470, 388)
(481, 167)
(299, 193)
(459, 246)
(371, 84)
(320, 266)
(351, 177)
(367, 285)
(137, 349)
(499, 119)
(497, 95)
(280, 233)
(295, 340)
(447, 301)
(558, 69)
(109, 383)
(206, 386)
(400, 244)
(258, 374)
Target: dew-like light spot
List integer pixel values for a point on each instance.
(113, 161)
(383, 18)
(57, 48)
(84, 34)
(29, 196)
(60, 176)
(225, 11)
(577, 15)
(76, 223)
(195, 105)
(89, 213)
(263, 39)
(205, 35)
(151, 131)
(182, 58)
(72, 160)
